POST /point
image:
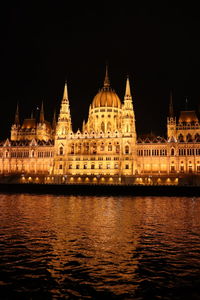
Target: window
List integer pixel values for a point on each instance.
(189, 137)
(109, 147)
(172, 151)
(103, 127)
(180, 138)
(117, 149)
(126, 149)
(172, 169)
(109, 126)
(60, 167)
(72, 149)
(61, 151)
(79, 149)
(102, 147)
(126, 166)
(92, 166)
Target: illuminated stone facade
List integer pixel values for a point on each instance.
(106, 150)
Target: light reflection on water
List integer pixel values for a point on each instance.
(68, 247)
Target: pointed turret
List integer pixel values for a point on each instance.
(65, 93)
(128, 90)
(64, 119)
(186, 103)
(171, 119)
(106, 80)
(128, 119)
(42, 113)
(16, 126)
(54, 120)
(127, 96)
(17, 115)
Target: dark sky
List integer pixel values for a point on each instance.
(44, 44)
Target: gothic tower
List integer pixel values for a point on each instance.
(63, 129)
(171, 120)
(16, 126)
(128, 115)
(64, 120)
(128, 128)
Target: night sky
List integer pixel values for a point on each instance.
(44, 44)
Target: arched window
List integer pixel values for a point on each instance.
(102, 147)
(109, 126)
(109, 147)
(103, 127)
(189, 137)
(180, 138)
(117, 149)
(172, 151)
(61, 151)
(72, 149)
(127, 149)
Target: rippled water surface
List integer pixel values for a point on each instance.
(68, 247)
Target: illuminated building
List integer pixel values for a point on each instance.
(106, 150)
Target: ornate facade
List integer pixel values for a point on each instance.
(106, 150)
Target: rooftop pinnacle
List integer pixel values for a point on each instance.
(106, 80)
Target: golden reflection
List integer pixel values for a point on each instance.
(107, 236)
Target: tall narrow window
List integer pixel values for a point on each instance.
(109, 126)
(126, 149)
(117, 149)
(61, 151)
(103, 127)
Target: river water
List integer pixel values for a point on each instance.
(79, 247)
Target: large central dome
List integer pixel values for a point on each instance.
(106, 97)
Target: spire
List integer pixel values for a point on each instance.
(186, 103)
(171, 108)
(17, 115)
(54, 120)
(128, 90)
(42, 113)
(106, 80)
(64, 119)
(65, 94)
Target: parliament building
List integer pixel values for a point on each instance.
(105, 151)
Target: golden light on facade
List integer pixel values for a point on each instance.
(106, 146)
